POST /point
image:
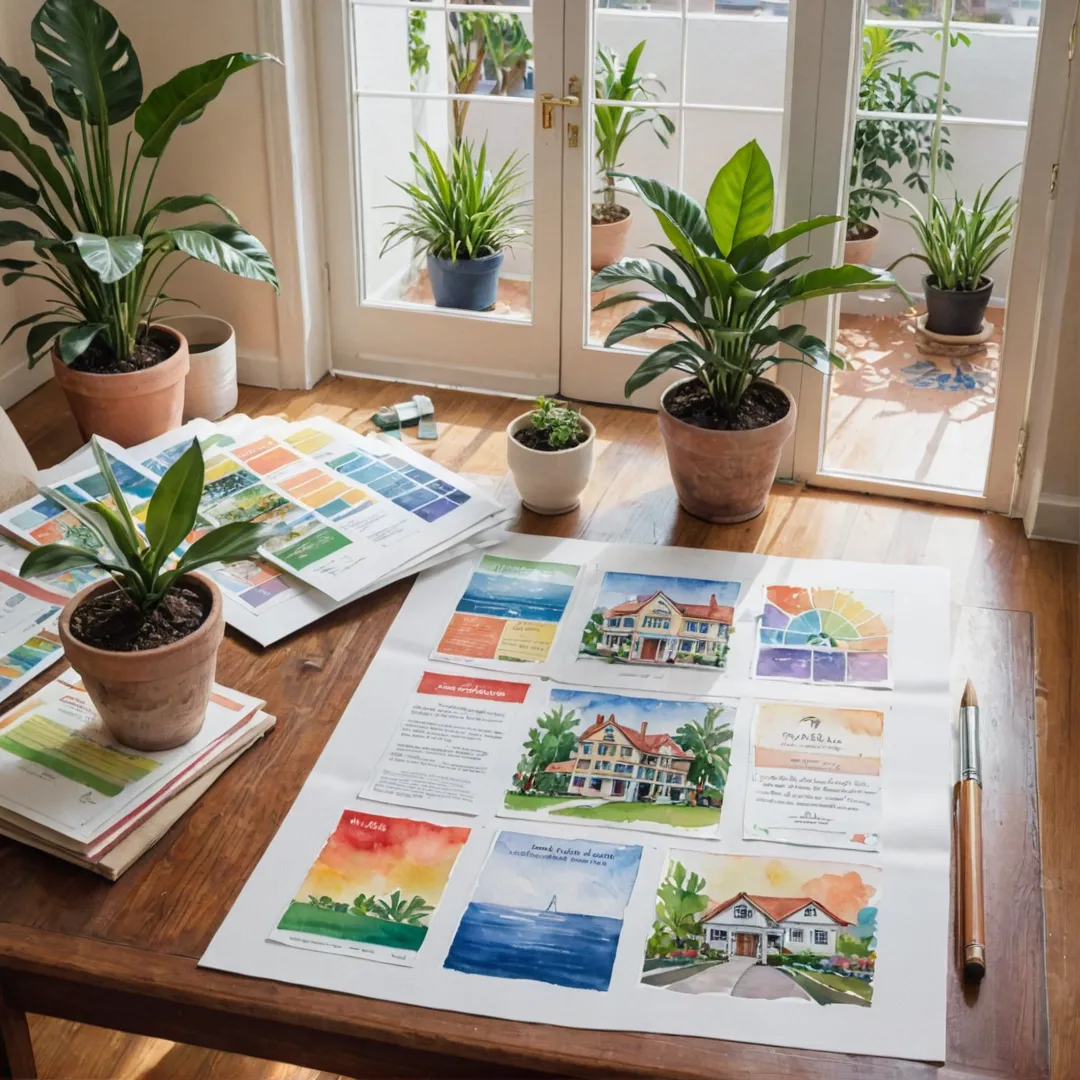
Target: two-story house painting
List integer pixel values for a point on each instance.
(658, 629)
(760, 926)
(613, 761)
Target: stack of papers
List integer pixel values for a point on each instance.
(69, 789)
(362, 511)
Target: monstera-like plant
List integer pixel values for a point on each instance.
(718, 308)
(96, 237)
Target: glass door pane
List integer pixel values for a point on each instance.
(711, 75)
(438, 90)
(914, 407)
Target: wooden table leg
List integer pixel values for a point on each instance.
(16, 1050)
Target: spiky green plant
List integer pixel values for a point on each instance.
(961, 243)
(139, 563)
(460, 212)
(724, 296)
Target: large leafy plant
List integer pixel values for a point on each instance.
(614, 124)
(724, 294)
(98, 240)
(463, 211)
(960, 243)
(140, 563)
(880, 145)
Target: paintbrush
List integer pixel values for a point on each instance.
(969, 826)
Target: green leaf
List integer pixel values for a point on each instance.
(778, 239)
(53, 558)
(16, 264)
(739, 205)
(174, 505)
(105, 468)
(110, 257)
(675, 356)
(35, 159)
(74, 341)
(830, 280)
(95, 517)
(88, 59)
(14, 232)
(642, 320)
(177, 204)
(681, 217)
(40, 115)
(228, 246)
(183, 98)
(237, 540)
(29, 320)
(37, 341)
(10, 184)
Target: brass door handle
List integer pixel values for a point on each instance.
(548, 103)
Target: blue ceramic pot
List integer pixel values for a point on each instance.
(471, 284)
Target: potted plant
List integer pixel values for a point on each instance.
(882, 144)
(98, 240)
(550, 453)
(958, 246)
(464, 218)
(724, 425)
(145, 641)
(612, 126)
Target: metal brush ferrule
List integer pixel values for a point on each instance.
(970, 755)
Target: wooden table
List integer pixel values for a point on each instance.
(123, 955)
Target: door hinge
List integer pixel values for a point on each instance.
(1073, 30)
(1053, 179)
(1021, 451)
(326, 276)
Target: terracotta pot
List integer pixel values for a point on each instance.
(723, 476)
(608, 242)
(130, 407)
(861, 251)
(549, 481)
(156, 699)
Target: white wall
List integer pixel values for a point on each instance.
(226, 152)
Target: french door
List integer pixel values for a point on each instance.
(527, 79)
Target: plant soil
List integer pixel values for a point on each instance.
(110, 620)
(99, 359)
(760, 406)
(608, 214)
(862, 231)
(538, 440)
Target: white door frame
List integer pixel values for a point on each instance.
(431, 345)
(833, 147)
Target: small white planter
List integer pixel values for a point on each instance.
(549, 481)
(210, 387)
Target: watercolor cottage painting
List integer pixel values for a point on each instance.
(510, 611)
(764, 928)
(642, 762)
(648, 619)
(548, 909)
(825, 636)
(373, 888)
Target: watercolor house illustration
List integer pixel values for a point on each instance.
(612, 761)
(763, 926)
(656, 629)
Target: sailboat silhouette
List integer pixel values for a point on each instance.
(552, 906)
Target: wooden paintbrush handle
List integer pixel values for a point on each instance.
(972, 922)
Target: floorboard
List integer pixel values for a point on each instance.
(630, 498)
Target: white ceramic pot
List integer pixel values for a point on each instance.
(549, 481)
(210, 388)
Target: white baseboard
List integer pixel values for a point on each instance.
(255, 369)
(1057, 518)
(18, 380)
(450, 377)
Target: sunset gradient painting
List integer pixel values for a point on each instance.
(373, 888)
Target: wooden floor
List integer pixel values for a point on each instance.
(630, 498)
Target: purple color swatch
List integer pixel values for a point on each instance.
(778, 663)
(868, 667)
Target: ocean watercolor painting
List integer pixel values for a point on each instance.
(373, 888)
(548, 909)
